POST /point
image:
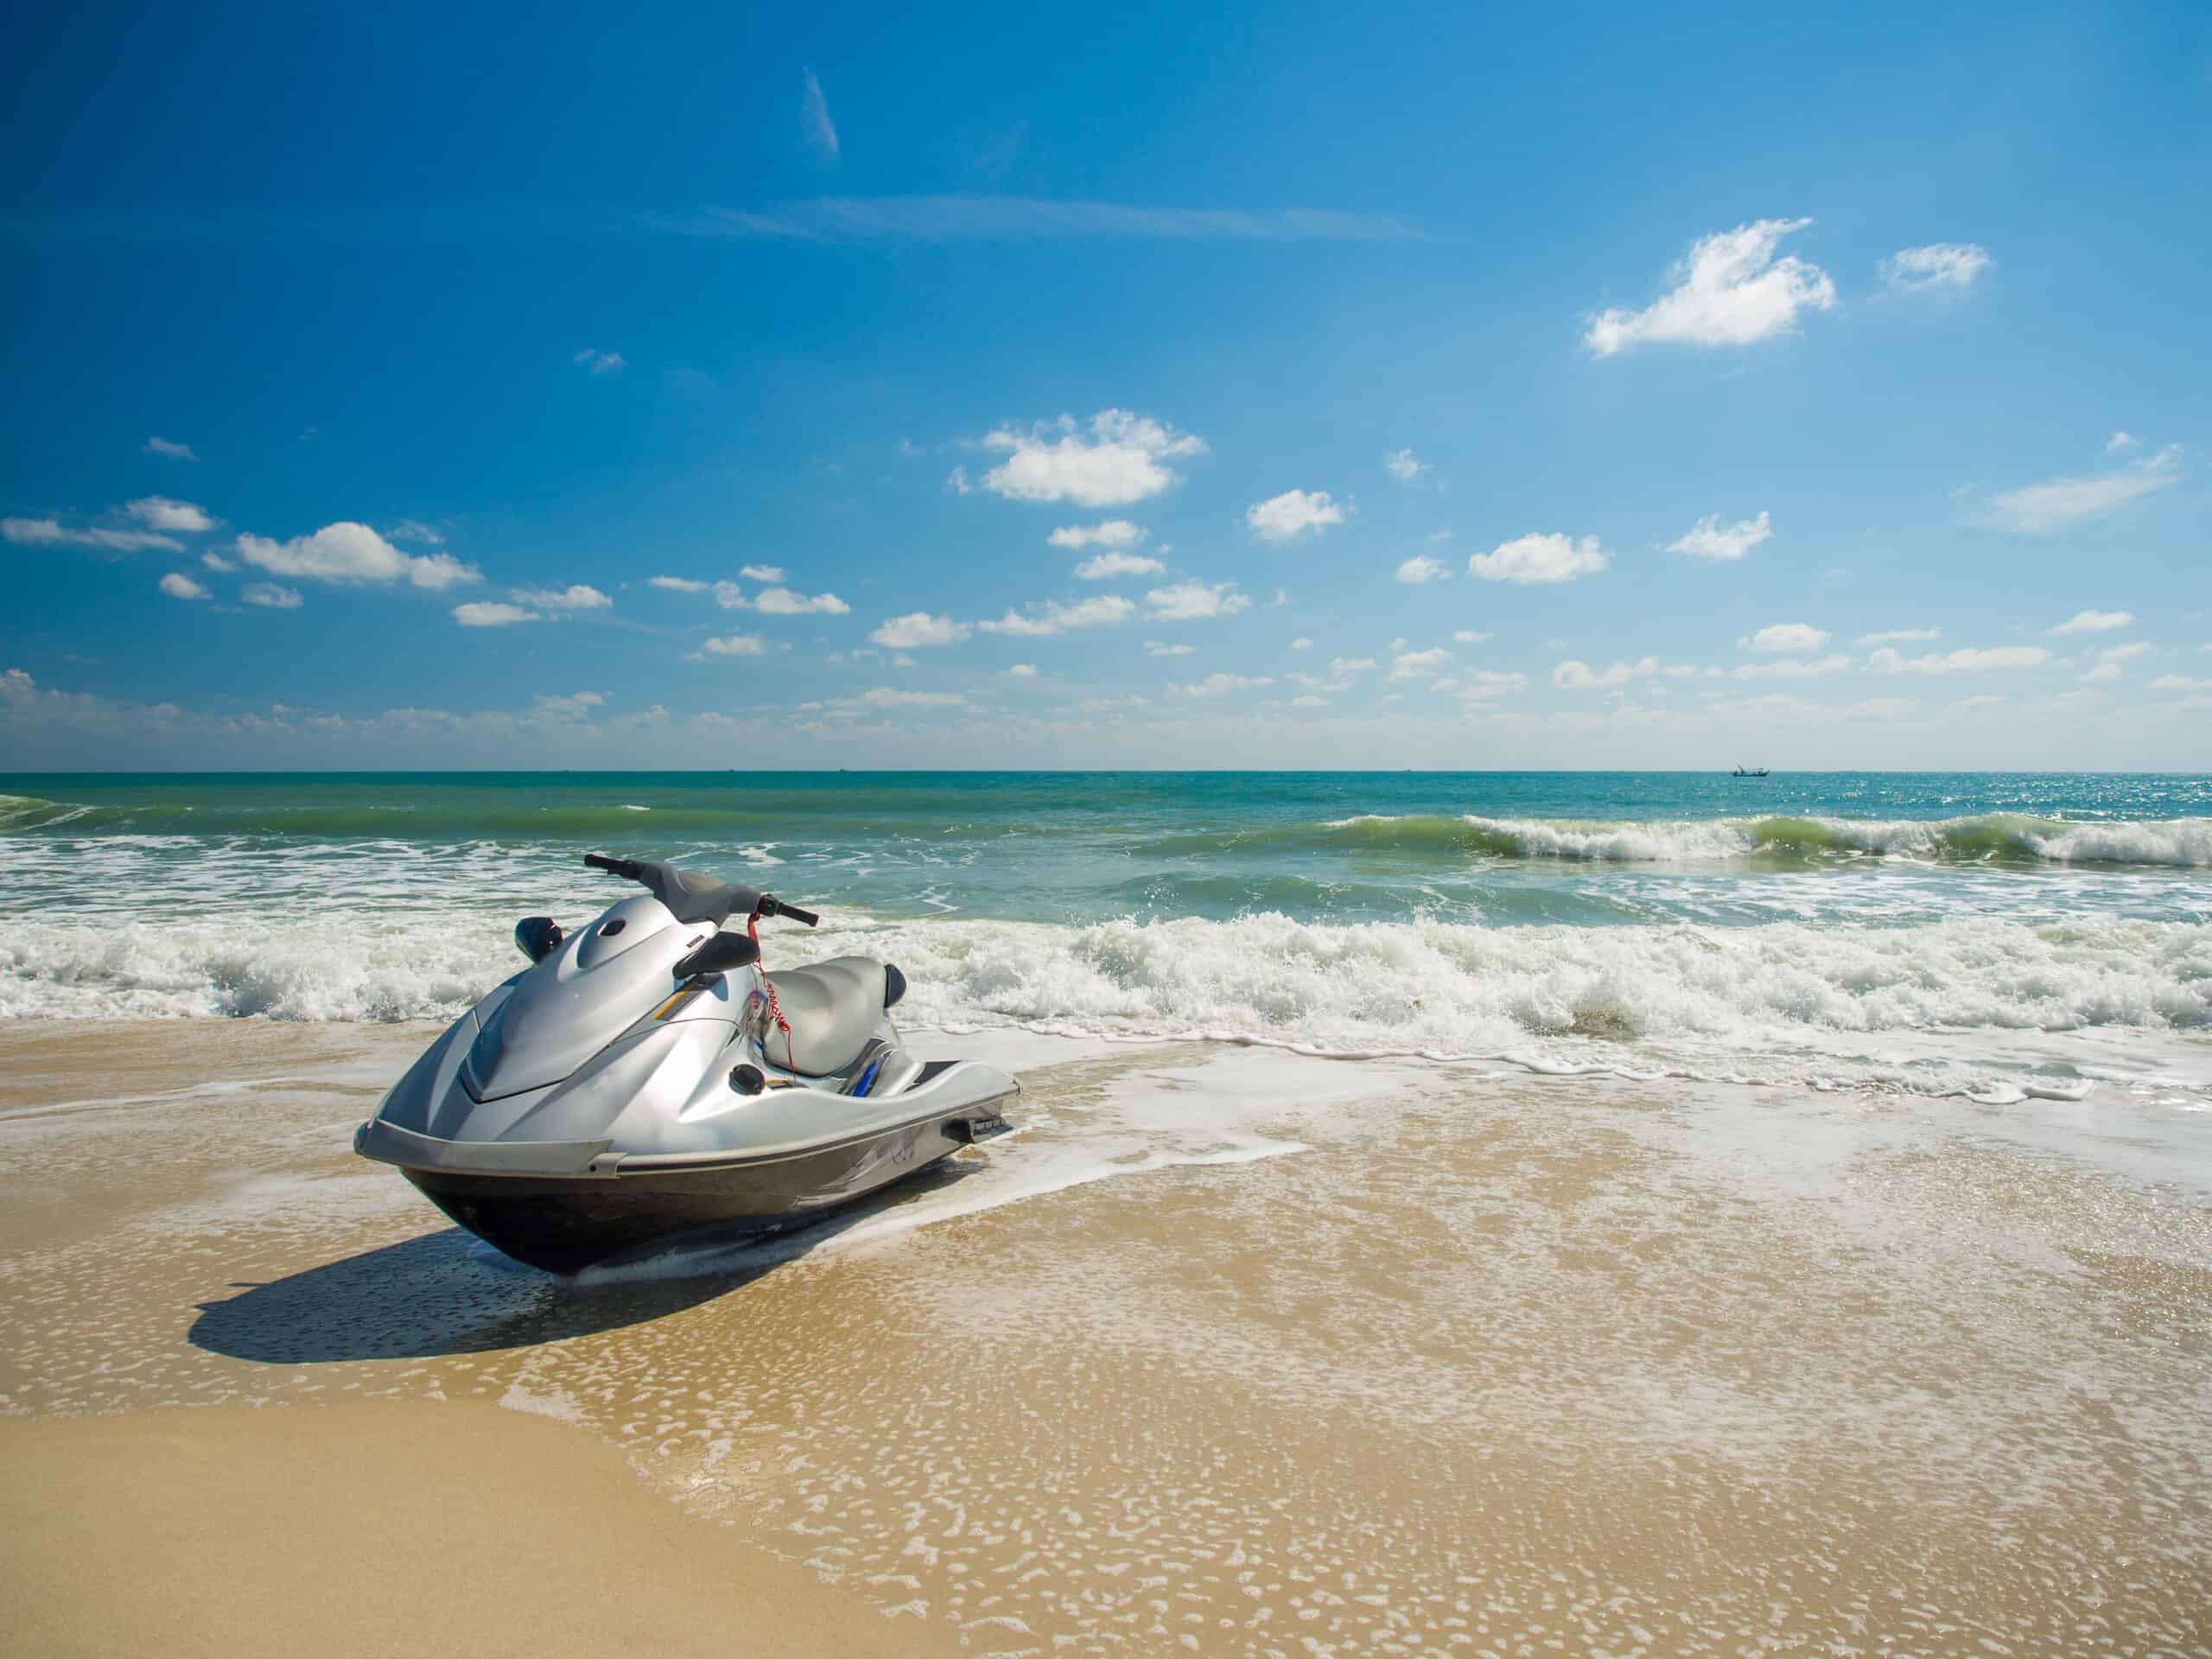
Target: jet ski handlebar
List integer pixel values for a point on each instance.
(696, 897)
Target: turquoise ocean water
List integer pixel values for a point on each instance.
(1967, 924)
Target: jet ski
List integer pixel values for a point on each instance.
(647, 1079)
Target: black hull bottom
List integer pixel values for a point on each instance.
(564, 1226)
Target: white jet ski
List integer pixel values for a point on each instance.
(644, 1080)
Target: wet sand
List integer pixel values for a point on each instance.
(1229, 1351)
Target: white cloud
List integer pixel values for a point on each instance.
(1940, 264)
(761, 572)
(159, 512)
(48, 532)
(1280, 598)
(1488, 682)
(782, 601)
(2120, 442)
(735, 644)
(1022, 672)
(173, 451)
(1731, 290)
(1161, 648)
(1420, 568)
(181, 587)
(1283, 518)
(1111, 532)
(2110, 661)
(2179, 683)
(678, 584)
(1470, 637)
(2096, 622)
(601, 362)
(1964, 661)
(490, 613)
(821, 131)
(1301, 644)
(1215, 685)
(1706, 539)
(576, 598)
(1404, 466)
(1341, 666)
(1786, 636)
(414, 530)
(217, 562)
(1309, 700)
(1102, 611)
(1794, 668)
(349, 552)
(271, 596)
(1195, 602)
(1900, 636)
(2058, 504)
(1120, 460)
(1540, 558)
(570, 707)
(1574, 676)
(917, 629)
(1109, 705)
(731, 597)
(1418, 664)
(1104, 566)
(956, 482)
(891, 697)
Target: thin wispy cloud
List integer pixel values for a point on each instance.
(821, 130)
(2057, 504)
(944, 219)
(173, 451)
(1940, 264)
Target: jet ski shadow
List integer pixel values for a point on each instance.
(444, 1294)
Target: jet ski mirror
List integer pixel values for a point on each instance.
(537, 936)
(719, 955)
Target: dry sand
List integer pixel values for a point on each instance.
(1228, 1352)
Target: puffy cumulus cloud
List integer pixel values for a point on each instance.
(1103, 567)
(1901, 637)
(601, 362)
(172, 451)
(181, 587)
(1729, 290)
(1418, 664)
(1786, 636)
(218, 563)
(1284, 517)
(490, 613)
(160, 512)
(1052, 616)
(1161, 648)
(1940, 264)
(1404, 466)
(917, 629)
(2057, 504)
(1194, 602)
(1420, 568)
(2096, 622)
(271, 596)
(1111, 532)
(1576, 676)
(735, 644)
(348, 552)
(1795, 668)
(1120, 458)
(572, 705)
(678, 584)
(1022, 672)
(761, 572)
(1709, 539)
(782, 601)
(1217, 685)
(1301, 644)
(2110, 661)
(1541, 558)
(1964, 661)
(51, 532)
(576, 598)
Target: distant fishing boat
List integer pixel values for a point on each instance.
(1749, 772)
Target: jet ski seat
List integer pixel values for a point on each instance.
(833, 1007)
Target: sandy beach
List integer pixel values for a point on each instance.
(1228, 1352)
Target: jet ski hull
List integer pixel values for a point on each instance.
(566, 1224)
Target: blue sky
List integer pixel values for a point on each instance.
(1296, 387)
